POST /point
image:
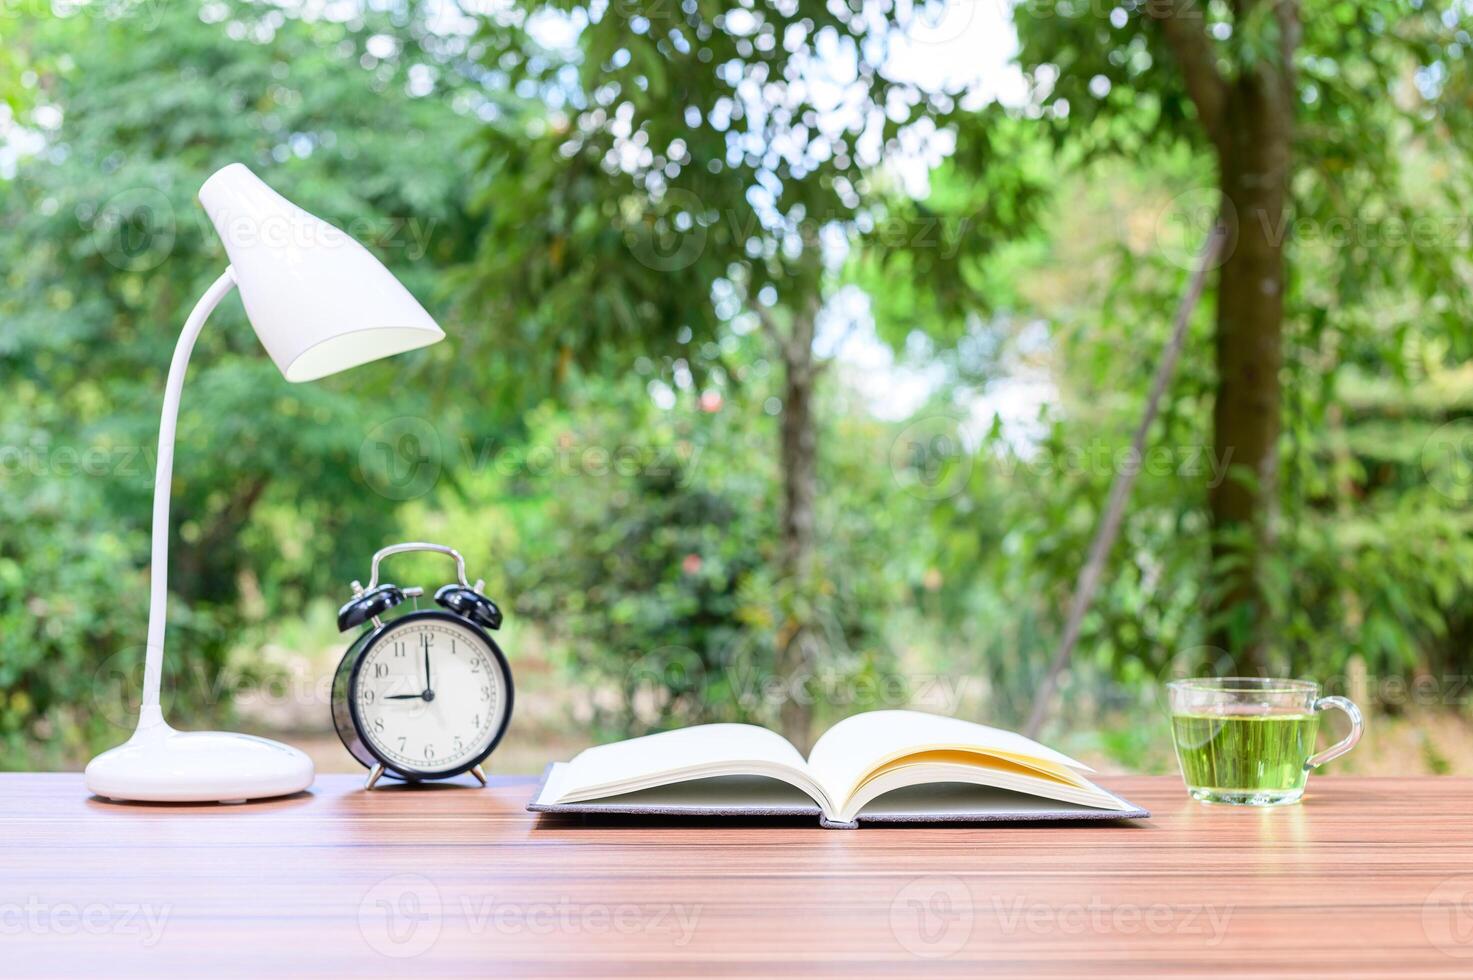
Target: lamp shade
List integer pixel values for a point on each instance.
(318, 300)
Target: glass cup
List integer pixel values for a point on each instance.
(1250, 740)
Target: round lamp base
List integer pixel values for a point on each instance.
(160, 765)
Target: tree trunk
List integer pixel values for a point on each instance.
(1254, 152)
(798, 640)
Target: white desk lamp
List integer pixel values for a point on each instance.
(320, 303)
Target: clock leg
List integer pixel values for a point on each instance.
(479, 773)
(373, 777)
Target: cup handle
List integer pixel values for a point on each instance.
(1357, 726)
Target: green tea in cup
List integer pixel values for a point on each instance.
(1250, 740)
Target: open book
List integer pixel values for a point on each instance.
(905, 766)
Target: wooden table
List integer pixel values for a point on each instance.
(1369, 877)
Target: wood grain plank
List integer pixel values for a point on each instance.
(1367, 878)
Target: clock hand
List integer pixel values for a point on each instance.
(404, 697)
(428, 686)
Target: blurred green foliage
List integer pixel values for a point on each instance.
(947, 545)
(684, 173)
(104, 253)
(657, 582)
(1331, 139)
(1373, 552)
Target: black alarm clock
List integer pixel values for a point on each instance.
(425, 694)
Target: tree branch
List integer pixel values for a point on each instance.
(1109, 526)
(769, 324)
(784, 341)
(1291, 33)
(1185, 31)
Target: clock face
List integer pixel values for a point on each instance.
(430, 695)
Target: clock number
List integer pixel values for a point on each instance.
(485, 693)
(400, 649)
(378, 724)
(368, 696)
(429, 751)
(380, 670)
(458, 744)
(402, 740)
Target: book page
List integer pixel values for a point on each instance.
(940, 801)
(669, 757)
(858, 746)
(977, 771)
(719, 794)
